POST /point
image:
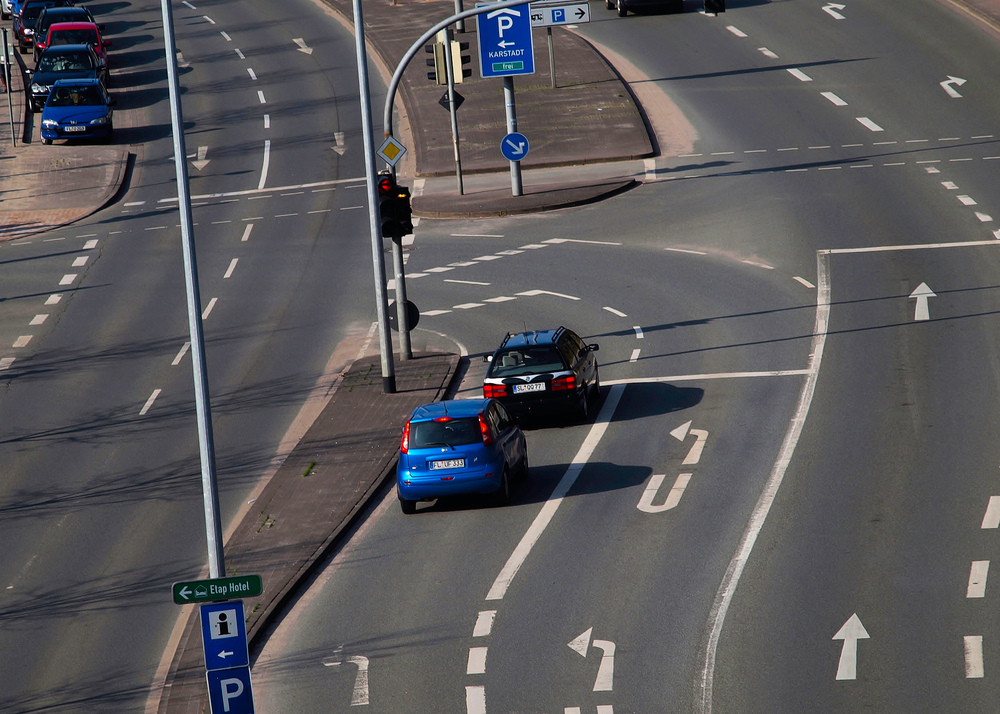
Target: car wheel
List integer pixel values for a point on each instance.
(595, 390)
(622, 12)
(583, 411)
(407, 506)
(502, 496)
(522, 471)
(111, 134)
(610, 4)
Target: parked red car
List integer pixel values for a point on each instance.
(76, 33)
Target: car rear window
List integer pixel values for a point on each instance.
(73, 37)
(527, 360)
(76, 96)
(450, 432)
(64, 62)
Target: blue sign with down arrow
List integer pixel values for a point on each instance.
(514, 146)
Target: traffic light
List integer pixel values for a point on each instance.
(393, 207)
(387, 204)
(715, 6)
(440, 63)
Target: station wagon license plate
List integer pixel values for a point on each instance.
(533, 387)
(447, 464)
(74, 128)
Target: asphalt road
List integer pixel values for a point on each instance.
(101, 490)
(824, 450)
(833, 175)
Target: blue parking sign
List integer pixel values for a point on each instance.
(505, 43)
(230, 691)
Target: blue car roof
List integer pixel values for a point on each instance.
(453, 408)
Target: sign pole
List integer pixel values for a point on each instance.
(6, 83)
(515, 166)
(452, 109)
(374, 224)
(552, 57)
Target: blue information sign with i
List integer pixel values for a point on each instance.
(224, 635)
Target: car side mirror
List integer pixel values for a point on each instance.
(594, 347)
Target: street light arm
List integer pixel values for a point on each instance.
(398, 74)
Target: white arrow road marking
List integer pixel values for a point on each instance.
(201, 162)
(653, 487)
(181, 62)
(922, 311)
(831, 10)
(681, 432)
(850, 633)
(949, 86)
(338, 136)
(581, 644)
(606, 672)
(303, 47)
(974, 657)
(360, 696)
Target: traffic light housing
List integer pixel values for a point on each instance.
(459, 71)
(393, 207)
(715, 6)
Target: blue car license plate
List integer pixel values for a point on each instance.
(447, 464)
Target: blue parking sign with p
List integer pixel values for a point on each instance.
(505, 42)
(230, 691)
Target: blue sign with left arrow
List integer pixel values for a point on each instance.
(514, 146)
(505, 44)
(224, 635)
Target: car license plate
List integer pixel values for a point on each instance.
(447, 464)
(74, 128)
(533, 387)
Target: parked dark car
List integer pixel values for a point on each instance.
(26, 17)
(50, 16)
(544, 372)
(78, 109)
(622, 7)
(63, 62)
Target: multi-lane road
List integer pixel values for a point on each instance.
(788, 501)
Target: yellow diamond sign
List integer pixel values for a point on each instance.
(391, 151)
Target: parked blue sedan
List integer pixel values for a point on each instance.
(467, 446)
(78, 109)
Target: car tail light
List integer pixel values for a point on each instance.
(405, 446)
(487, 439)
(561, 384)
(492, 391)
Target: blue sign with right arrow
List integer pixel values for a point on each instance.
(514, 146)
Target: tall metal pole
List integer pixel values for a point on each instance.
(515, 166)
(374, 224)
(449, 62)
(6, 83)
(209, 483)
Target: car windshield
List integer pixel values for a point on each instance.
(73, 37)
(64, 62)
(76, 96)
(526, 360)
(446, 432)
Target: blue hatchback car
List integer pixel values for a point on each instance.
(78, 109)
(460, 447)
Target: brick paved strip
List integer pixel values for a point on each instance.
(312, 499)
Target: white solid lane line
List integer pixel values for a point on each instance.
(534, 532)
(977, 578)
